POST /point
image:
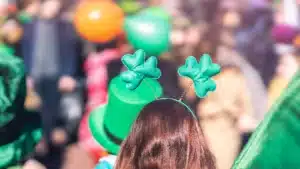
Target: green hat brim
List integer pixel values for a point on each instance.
(96, 124)
(12, 153)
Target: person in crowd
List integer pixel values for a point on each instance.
(95, 67)
(229, 53)
(31, 7)
(11, 30)
(226, 114)
(165, 135)
(286, 38)
(255, 43)
(28, 9)
(287, 67)
(20, 129)
(50, 49)
(184, 39)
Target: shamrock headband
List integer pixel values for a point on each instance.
(200, 72)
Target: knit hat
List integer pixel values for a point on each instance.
(275, 143)
(19, 130)
(110, 124)
(284, 36)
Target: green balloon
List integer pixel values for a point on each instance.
(156, 11)
(149, 33)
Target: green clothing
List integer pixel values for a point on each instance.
(276, 142)
(19, 129)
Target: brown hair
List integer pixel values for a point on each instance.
(165, 135)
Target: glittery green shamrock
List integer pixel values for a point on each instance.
(200, 73)
(139, 68)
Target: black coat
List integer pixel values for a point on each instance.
(69, 48)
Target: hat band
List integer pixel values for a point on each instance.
(111, 137)
(11, 131)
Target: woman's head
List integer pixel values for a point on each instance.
(54, 8)
(30, 7)
(50, 8)
(166, 135)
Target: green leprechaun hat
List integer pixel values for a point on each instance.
(276, 142)
(111, 123)
(19, 130)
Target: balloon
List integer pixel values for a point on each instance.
(149, 33)
(156, 11)
(98, 21)
(130, 7)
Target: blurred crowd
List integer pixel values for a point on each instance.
(256, 42)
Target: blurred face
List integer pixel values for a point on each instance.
(33, 8)
(177, 37)
(190, 36)
(50, 8)
(194, 35)
(231, 19)
(11, 30)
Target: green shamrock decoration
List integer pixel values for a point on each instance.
(139, 68)
(200, 73)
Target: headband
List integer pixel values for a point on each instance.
(201, 73)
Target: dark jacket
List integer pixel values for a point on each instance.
(69, 48)
(256, 45)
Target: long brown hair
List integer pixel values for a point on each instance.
(165, 135)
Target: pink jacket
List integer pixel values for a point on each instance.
(96, 71)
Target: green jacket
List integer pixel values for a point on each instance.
(276, 142)
(19, 129)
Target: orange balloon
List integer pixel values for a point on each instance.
(98, 21)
